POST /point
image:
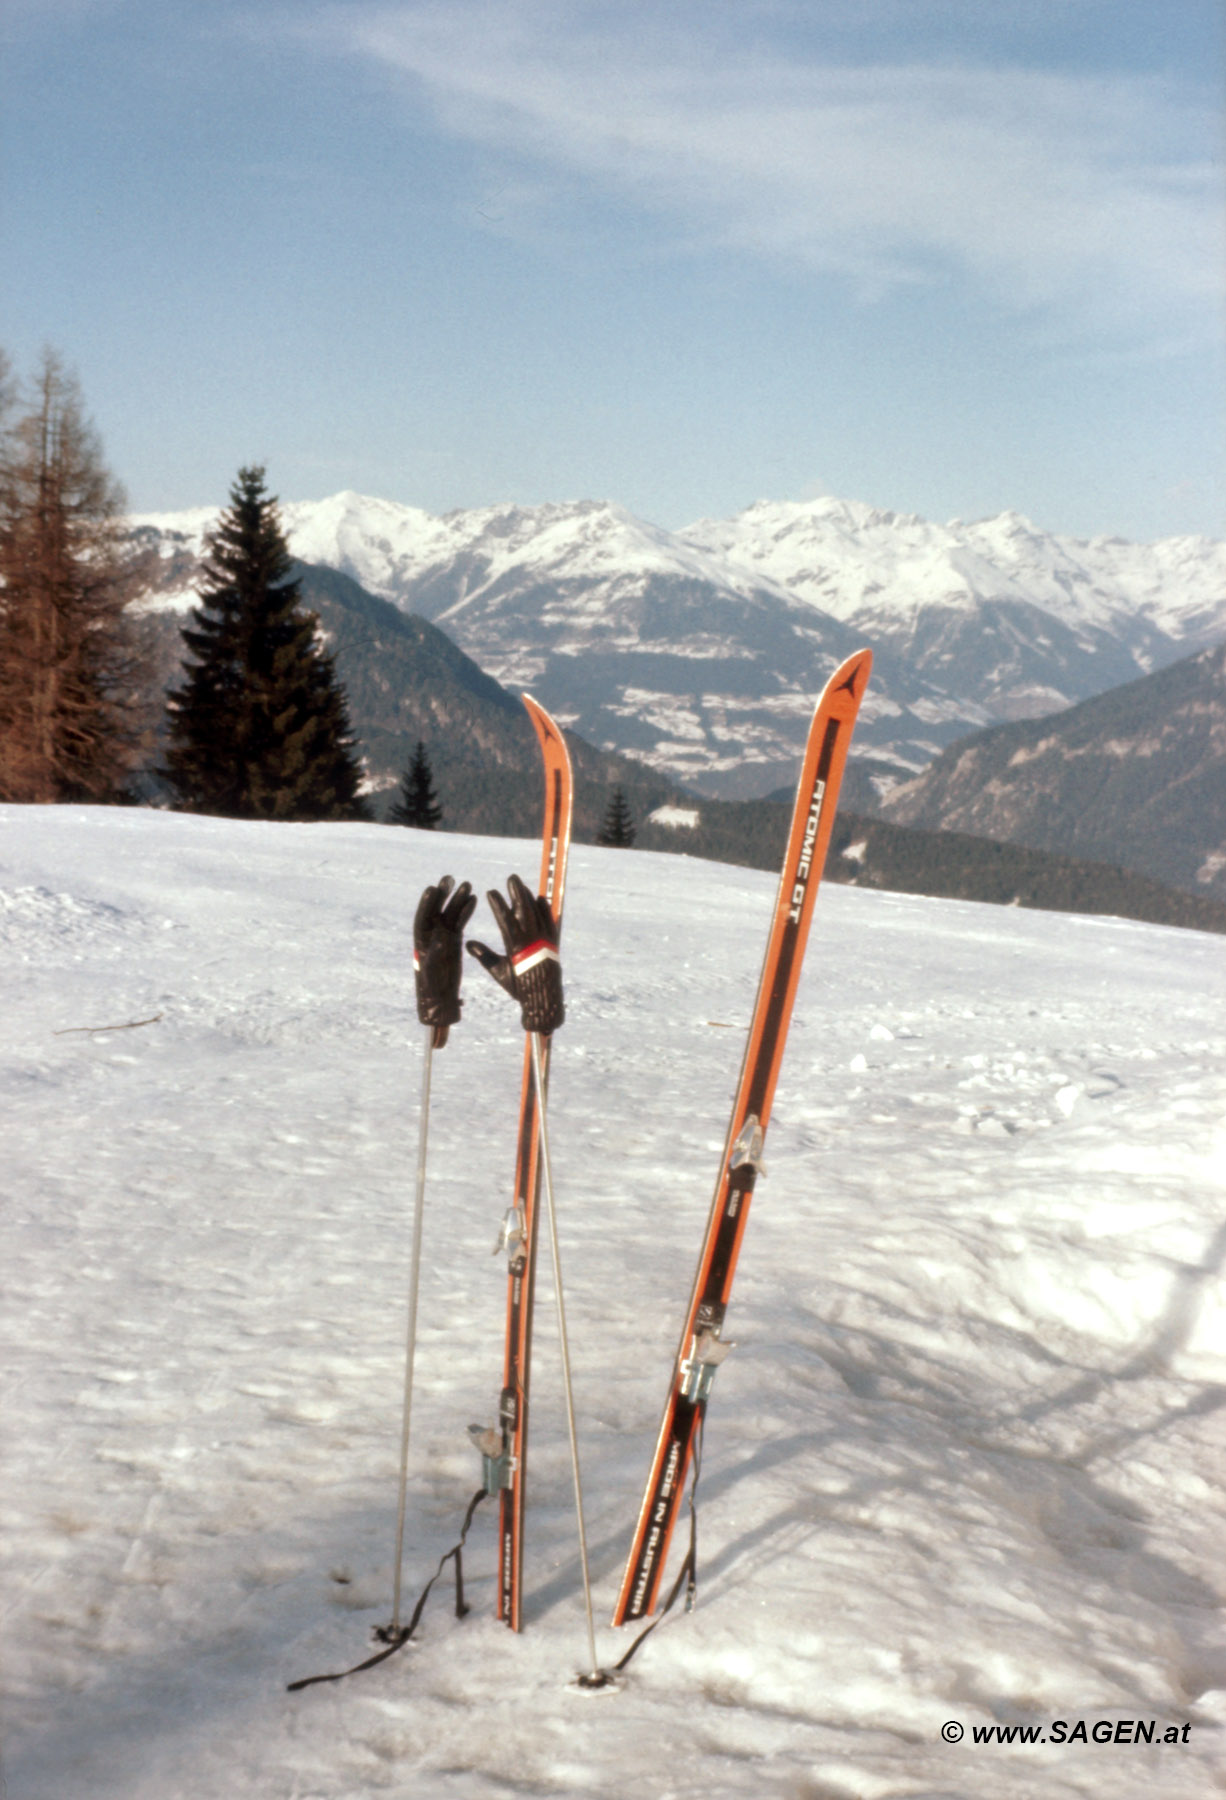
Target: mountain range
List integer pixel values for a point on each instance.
(406, 681)
(698, 652)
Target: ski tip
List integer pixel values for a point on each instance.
(550, 737)
(852, 675)
(540, 718)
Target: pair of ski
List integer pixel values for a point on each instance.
(702, 1347)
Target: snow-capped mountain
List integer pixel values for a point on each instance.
(637, 640)
(700, 651)
(866, 566)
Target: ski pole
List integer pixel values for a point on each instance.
(597, 1676)
(411, 1337)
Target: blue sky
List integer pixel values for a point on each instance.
(945, 256)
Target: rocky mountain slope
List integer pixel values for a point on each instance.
(406, 681)
(1135, 776)
(699, 652)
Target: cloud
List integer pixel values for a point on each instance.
(1086, 197)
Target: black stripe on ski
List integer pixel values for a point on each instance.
(808, 840)
(766, 1056)
(514, 1407)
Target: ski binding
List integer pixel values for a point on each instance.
(512, 1234)
(698, 1369)
(497, 1463)
(747, 1150)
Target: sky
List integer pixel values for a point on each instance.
(943, 256)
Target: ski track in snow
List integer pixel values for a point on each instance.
(967, 1464)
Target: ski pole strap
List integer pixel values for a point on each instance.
(688, 1572)
(401, 1638)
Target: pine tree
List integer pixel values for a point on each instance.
(72, 669)
(618, 830)
(416, 803)
(260, 728)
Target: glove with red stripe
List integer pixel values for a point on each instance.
(531, 969)
(438, 930)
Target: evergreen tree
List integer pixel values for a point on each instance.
(618, 830)
(417, 803)
(72, 672)
(260, 728)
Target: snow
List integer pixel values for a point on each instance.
(966, 1466)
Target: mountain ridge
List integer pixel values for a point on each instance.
(1135, 776)
(407, 681)
(698, 652)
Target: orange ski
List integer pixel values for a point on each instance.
(506, 1459)
(701, 1350)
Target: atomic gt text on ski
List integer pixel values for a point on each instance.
(703, 1347)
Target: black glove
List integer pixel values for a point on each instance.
(531, 970)
(438, 930)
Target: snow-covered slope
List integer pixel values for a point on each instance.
(700, 651)
(965, 1471)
